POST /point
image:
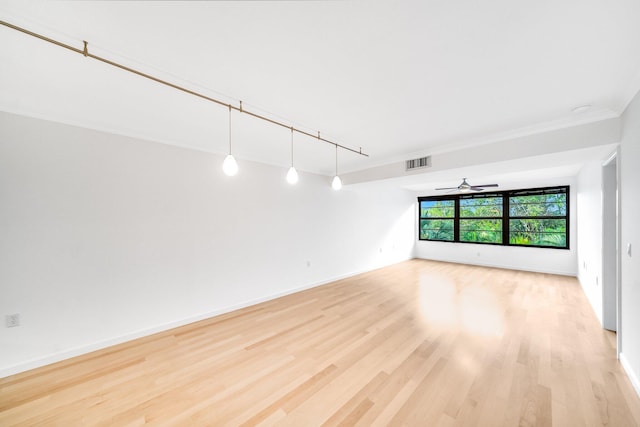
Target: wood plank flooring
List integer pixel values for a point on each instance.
(420, 343)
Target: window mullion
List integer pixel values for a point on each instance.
(505, 220)
(456, 220)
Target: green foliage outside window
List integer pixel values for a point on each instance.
(540, 205)
(437, 209)
(481, 207)
(481, 231)
(538, 232)
(434, 222)
(436, 229)
(483, 228)
(534, 228)
(534, 217)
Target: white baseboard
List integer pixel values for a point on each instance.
(99, 345)
(633, 376)
(505, 267)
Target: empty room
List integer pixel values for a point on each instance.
(319, 213)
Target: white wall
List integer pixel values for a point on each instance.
(589, 236)
(630, 234)
(105, 238)
(556, 261)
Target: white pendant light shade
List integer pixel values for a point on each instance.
(230, 166)
(292, 175)
(336, 184)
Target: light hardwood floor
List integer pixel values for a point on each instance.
(419, 343)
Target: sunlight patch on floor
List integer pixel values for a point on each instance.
(474, 309)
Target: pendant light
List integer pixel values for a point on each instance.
(230, 166)
(337, 182)
(292, 174)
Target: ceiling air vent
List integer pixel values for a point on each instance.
(422, 162)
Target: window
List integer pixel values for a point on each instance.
(536, 217)
(481, 219)
(436, 219)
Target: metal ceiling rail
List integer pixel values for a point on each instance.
(85, 52)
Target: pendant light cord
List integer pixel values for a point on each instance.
(229, 129)
(291, 147)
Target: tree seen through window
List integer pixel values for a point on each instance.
(532, 217)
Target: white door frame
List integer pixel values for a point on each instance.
(612, 185)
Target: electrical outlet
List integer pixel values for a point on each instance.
(12, 320)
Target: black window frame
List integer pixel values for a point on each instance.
(506, 214)
(438, 218)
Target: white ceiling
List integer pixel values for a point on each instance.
(392, 77)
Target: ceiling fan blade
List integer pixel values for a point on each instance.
(486, 185)
(474, 188)
(447, 188)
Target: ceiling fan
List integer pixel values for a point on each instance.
(465, 186)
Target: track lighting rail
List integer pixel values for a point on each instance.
(85, 52)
